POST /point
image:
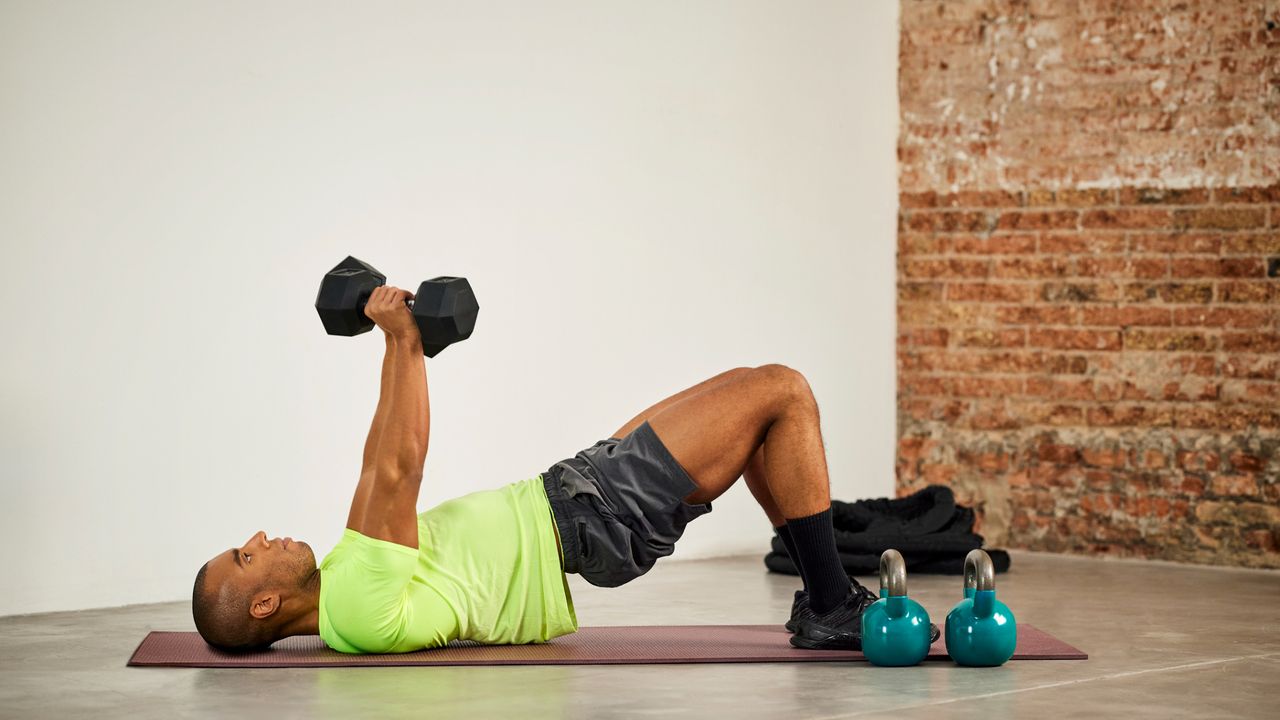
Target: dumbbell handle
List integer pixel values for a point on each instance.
(364, 300)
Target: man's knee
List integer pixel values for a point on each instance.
(786, 383)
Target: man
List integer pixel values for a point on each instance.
(490, 566)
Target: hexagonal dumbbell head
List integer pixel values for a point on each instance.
(343, 293)
(446, 310)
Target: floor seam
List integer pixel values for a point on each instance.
(1063, 683)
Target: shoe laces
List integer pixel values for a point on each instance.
(861, 597)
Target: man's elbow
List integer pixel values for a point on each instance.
(399, 473)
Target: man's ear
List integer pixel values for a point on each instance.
(265, 605)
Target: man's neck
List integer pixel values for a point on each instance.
(307, 620)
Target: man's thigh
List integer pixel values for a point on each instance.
(713, 433)
(665, 403)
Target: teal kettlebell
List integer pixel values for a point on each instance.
(895, 629)
(981, 630)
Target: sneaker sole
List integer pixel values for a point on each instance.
(831, 642)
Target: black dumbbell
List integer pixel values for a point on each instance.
(445, 308)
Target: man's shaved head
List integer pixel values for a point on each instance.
(222, 616)
(244, 597)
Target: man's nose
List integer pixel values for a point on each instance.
(259, 538)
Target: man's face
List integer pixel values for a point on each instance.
(274, 565)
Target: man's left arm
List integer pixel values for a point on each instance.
(385, 506)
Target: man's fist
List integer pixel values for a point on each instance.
(387, 308)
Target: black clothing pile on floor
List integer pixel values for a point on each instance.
(931, 531)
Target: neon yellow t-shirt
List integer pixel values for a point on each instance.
(486, 569)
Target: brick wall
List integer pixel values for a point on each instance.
(1088, 262)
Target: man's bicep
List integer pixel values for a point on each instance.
(385, 508)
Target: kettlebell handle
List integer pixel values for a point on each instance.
(979, 571)
(893, 574)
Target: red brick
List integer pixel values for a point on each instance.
(914, 448)
(1080, 243)
(1082, 292)
(1253, 342)
(1255, 194)
(1197, 461)
(988, 292)
(1038, 220)
(924, 337)
(919, 291)
(1262, 393)
(1035, 315)
(1267, 541)
(1194, 365)
(1225, 418)
(918, 200)
(915, 244)
(1220, 267)
(1221, 218)
(1247, 292)
(1125, 315)
(1106, 457)
(1000, 244)
(1053, 414)
(986, 386)
(1247, 462)
(949, 221)
(1058, 454)
(1071, 198)
(1149, 459)
(1127, 218)
(1175, 292)
(1263, 244)
(924, 385)
(993, 417)
(1129, 415)
(1240, 485)
(1075, 339)
(928, 269)
(1060, 388)
(1191, 485)
(1223, 317)
(1168, 340)
(1180, 243)
(1004, 338)
(990, 461)
(1031, 267)
(1251, 367)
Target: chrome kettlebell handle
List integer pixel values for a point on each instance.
(893, 574)
(979, 571)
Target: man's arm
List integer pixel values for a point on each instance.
(385, 504)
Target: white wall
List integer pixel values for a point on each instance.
(642, 194)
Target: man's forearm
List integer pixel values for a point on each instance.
(397, 444)
(380, 414)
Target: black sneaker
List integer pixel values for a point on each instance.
(840, 628)
(799, 609)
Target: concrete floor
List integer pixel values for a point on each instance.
(1164, 640)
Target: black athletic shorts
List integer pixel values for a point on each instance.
(619, 506)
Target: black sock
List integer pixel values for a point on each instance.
(784, 532)
(824, 577)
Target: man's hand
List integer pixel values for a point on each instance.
(387, 308)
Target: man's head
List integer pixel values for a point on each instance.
(244, 597)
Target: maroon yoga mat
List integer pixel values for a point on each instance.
(616, 645)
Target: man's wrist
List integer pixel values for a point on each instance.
(402, 341)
